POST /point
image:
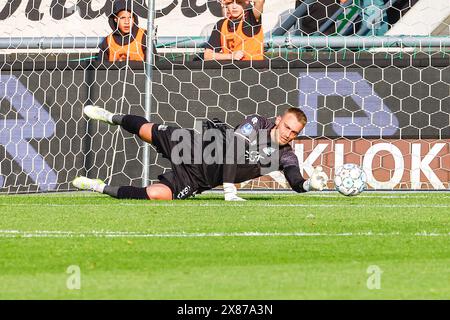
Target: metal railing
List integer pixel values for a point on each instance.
(353, 41)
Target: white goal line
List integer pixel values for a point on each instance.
(129, 234)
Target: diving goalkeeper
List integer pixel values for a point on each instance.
(219, 155)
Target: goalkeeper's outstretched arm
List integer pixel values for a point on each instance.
(294, 178)
(289, 165)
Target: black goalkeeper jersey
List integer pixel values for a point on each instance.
(249, 153)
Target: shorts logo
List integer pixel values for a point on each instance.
(247, 129)
(254, 120)
(183, 193)
(162, 127)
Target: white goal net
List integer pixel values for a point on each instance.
(382, 104)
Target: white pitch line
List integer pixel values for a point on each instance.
(226, 204)
(282, 194)
(127, 234)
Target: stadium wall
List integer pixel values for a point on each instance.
(390, 115)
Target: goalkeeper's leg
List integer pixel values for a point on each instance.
(133, 124)
(156, 191)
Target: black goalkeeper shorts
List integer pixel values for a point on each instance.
(183, 179)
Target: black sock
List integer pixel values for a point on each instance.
(117, 119)
(126, 192)
(130, 122)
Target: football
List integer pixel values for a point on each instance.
(350, 179)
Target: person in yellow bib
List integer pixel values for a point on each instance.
(240, 35)
(127, 42)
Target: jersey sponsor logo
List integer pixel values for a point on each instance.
(253, 156)
(268, 150)
(247, 129)
(230, 43)
(122, 57)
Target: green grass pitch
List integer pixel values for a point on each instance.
(285, 246)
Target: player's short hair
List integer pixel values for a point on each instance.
(299, 114)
